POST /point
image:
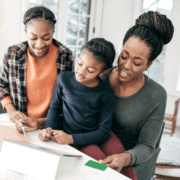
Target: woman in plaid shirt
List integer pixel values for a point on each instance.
(30, 69)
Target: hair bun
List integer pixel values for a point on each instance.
(162, 26)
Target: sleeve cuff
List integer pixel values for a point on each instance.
(75, 139)
(133, 157)
(5, 101)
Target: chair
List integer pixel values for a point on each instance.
(172, 119)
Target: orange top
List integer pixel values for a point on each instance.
(40, 81)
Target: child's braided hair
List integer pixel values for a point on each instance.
(102, 50)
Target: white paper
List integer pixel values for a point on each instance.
(28, 161)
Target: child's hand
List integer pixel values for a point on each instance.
(45, 134)
(62, 138)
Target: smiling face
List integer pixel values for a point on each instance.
(133, 60)
(87, 69)
(39, 34)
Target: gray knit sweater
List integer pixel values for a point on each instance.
(138, 119)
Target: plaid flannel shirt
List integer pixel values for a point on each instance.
(13, 72)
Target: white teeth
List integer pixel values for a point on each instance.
(124, 73)
(39, 50)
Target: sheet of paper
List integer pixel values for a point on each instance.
(30, 161)
(11, 133)
(63, 148)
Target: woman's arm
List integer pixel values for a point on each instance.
(146, 144)
(148, 136)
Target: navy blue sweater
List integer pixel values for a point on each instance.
(88, 111)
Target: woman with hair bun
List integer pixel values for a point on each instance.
(30, 69)
(140, 101)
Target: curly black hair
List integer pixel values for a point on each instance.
(154, 29)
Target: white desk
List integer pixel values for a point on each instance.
(71, 168)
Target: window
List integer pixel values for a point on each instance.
(164, 7)
(74, 21)
(51, 4)
(77, 25)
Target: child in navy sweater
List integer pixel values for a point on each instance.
(86, 102)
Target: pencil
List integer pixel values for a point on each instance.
(24, 132)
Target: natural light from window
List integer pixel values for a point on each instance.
(164, 7)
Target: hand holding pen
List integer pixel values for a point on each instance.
(29, 123)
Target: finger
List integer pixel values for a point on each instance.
(113, 165)
(19, 128)
(106, 160)
(18, 123)
(47, 135)
(55, 132)
(49, 132)
(43, 138)
(25, 120)
(16, 117)
(42, 134)
(22, 115)
(56, 136)
(40, 137)
(60, 142)
(29, 128)
(57, 139)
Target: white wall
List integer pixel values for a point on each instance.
(117, 18)
(10, 24)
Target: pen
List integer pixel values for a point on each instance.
(24, 132)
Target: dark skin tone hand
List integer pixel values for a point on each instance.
(62, 138)
(30, 124)
(14, 115)
(117, 161)
(45, 134)
(18, 117)
(59, 136)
